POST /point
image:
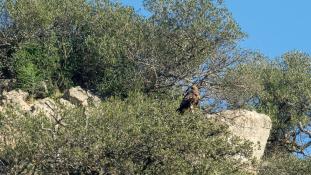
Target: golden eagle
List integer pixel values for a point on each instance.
(190, 100)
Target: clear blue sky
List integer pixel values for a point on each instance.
(273, 26)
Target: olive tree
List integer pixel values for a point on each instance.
(279, 88)
(180, 36)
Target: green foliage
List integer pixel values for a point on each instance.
(182, 35)
(80, 42)
(287, 83)
(242, 83)
(29, 77)
(281, 89)
(285, 164)
(111, 50)
(286, 96)
(138, 135)
(35, 65)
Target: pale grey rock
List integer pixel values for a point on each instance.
(16, 99)
(77, 96)
(80, 97)
(65, 104)
(46, 107)
(248, 125)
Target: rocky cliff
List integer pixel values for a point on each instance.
(248, 125)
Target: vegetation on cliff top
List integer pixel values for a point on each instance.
(50, 45)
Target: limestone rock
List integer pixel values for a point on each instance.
(46, 107)
(80, 97)
(77, 96)
(66, 104)
(248, 125)
(16, 99)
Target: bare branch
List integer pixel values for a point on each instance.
(305, 131)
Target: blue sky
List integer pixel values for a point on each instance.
(273, 26)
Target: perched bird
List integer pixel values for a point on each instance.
(190, 100)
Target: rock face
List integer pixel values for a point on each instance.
(66, 104)
(80, 97)
(16, 99)
(248, 125)
(45, 106)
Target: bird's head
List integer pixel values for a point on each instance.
(194, 88)
(195, 91)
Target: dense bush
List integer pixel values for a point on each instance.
(285, 164)
(279, 88)
(286, 99)
(108, 48)
(137, 136)
(72, 42)
(36, 64)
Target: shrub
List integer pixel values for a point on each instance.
(139, 135)
(76, 42)
(108, 48)
(36, 65)
(288, 164)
